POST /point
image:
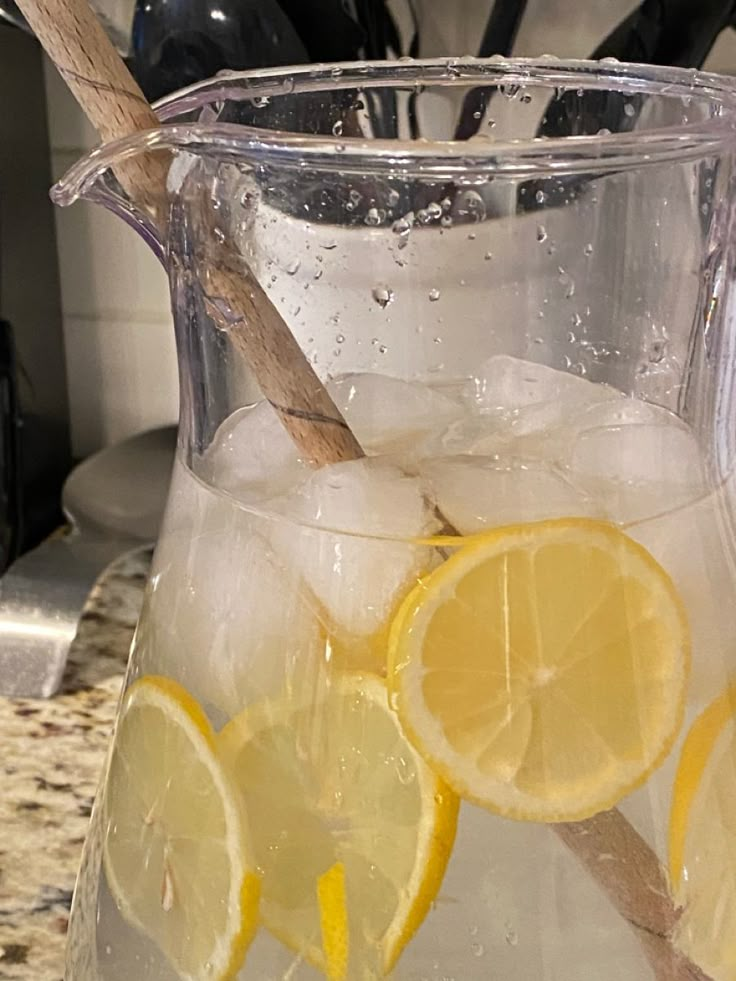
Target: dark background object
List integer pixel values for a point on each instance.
(34, 416)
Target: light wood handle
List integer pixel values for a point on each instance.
(74, 39)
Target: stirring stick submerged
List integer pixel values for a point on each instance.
(613, 852)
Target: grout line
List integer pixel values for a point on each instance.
(121, 317)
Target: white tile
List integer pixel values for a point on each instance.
(122, 379)
(68, 126)
(107, 271)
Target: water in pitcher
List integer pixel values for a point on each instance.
(363, 700)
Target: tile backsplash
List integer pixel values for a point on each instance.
(118, 332)
(121, 360)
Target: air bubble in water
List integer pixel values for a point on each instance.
(374, 216)
(446, 221)
(445, 204)
(478, 950)
(339, 148)
(434, 294)
(434, 210)
(512, 937)
(382, 349)
(393, 197)
(261, 101)
(541, 233)
(383, 295)
(629, 110)
(588, 250)
(340, 338)
(337, 128)
(477, 114)
(491, 123)
(577, 320)
(487, 256)
(525, 97)
(540, 197)
(603, 131)
(293, 268)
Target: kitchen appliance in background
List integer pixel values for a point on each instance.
(35, 454)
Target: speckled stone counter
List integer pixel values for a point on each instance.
(51, 753)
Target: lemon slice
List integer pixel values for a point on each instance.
(175, 849)
(702, 839)
(330, 782)
(541, 669)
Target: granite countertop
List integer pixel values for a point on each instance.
(51, 753)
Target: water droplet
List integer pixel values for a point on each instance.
(473, 930)
(478, 950)
(588, 250)
(445, 204)
(393, 197)
(318, 274)
(629, 110)
(491, 123)
(477, 114)
(219, 235)
(704, 208)
(446, 221)
(434, 294)
(337, 128)
(383, 295)
(382, 349)
(108, 949)
(434, 210)
(541, 233)
(293, 268)
(374, 216)
(488, 255)
(525, 97)
(339, 148)
(471, 236)
(402, 226)
(452, 70)
(336, 72)
(261, 101)
(540, 197)
(571, 336)
(339, 338)
(512, 937)
(472, 205)
(603, 131)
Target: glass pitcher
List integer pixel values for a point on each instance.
(461, 707)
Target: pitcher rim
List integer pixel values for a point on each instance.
(517, 158)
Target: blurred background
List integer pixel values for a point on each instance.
(88, 343)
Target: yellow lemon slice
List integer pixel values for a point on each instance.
(175, 850)
(331, 783)
(541, 669)
(702, 839)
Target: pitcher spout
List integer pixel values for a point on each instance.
(128, 177)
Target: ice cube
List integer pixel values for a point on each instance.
(625, 411)
(350, 539)
(225, 617)
(638, 470)
(695, 545)
(474, 493)
(389, 414)
(252, 456)
(505, 384)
